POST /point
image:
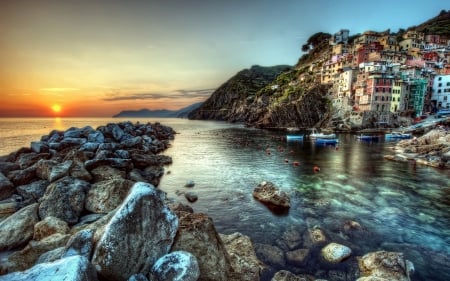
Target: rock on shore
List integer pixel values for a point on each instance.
(81, 204)
(431, 149)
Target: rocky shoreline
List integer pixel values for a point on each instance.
(83, 204)
(431, 149)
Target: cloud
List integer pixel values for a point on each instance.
(53, 90)
(202, 93)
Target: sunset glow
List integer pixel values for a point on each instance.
(56, 108)
(73, 58)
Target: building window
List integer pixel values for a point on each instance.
(440, 78)
(440, 85)
(439, 91)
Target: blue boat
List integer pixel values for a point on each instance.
(294, 137)
(325, 141)
(367, 137)
(397, 135)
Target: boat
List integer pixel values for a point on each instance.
(315, 134)
(398, 135)
(367, 137)
(294, 137)
(326, 141)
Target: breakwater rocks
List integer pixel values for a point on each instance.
(431, 149)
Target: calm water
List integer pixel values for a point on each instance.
(400, 207)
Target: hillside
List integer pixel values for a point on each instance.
(439, 25)
(230, 101)
(162, 113)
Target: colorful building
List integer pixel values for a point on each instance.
(440, 96)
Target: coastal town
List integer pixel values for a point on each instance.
(384, 73)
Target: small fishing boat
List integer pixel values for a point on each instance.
(367, 137)
(326, 141)
(294, 137)
(398, 135)
(315, 134)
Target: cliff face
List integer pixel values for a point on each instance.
(231, 101)
(265, 97)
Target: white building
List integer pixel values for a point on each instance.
(440, 95)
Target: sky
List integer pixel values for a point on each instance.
(89, 58)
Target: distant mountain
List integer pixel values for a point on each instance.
(163, 113)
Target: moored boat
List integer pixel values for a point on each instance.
(398, 135)
(325, 141)
(294, 137)
(315, 134)
(367, 137)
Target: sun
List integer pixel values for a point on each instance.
(56, 108)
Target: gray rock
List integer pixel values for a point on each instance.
(105, 172)
(89, 146)
(105, 196)
(60, 170)
(137, 277)
(191, 196)
(384, 266)
(39, 146)
(64, 199)
(284, 275)
(197, 235)
(17, 229)
(26, 160)
(81, 243)
(116, 131)
(270, 254)
(121, 153)
(27, 257)
(51, 255)
(44, 168)
(6, 187)
(78, 171)
(76, 268)
(246, 266)
(22, 177)
(142, 229)
(49, 226)
(118, 163)
(335, 252)
(72, 133)
(176, 266)
(32, 192)
(131, 142)
(96, 137)
(108, 146)
(297, 257)
(274, 198)
(6, 167)
(69, 142)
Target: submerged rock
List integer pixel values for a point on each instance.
(335, 252)
(384, 265)
(272, 196)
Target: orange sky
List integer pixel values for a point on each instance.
(97, 58)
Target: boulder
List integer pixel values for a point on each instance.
(191, 197)
(49, 226)
(6, 167)
(272, 197)
(142, 230)
(64, 199)
(31, 193)
(298, 257)
(246, 266)
(284, 275)
(102, 173)
(335, 253)
(78, 171)
(27, 257)
(96, 137)
(17, 229)
(271, 255)
(196, 234)
(6, 187)
(105, 196)
(384, 265)
(314, 237)
(39, 146)
(22, 177)
(60, 170)
(137, 277)
(76, 268)
(81, 243)
(26, 160)
(176, 266)
(44, 167)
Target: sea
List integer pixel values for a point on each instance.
(358, 198)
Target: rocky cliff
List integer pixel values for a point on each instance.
(269, 97)
(231, 101)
